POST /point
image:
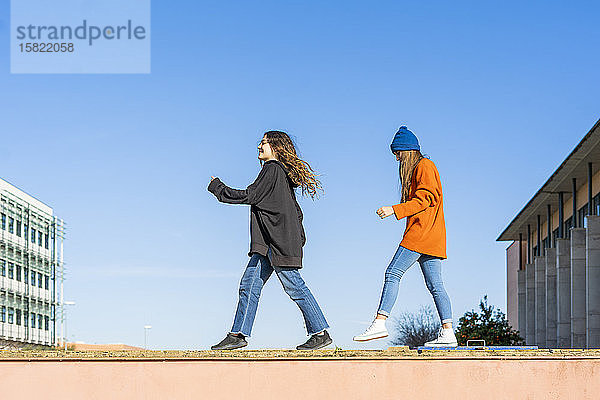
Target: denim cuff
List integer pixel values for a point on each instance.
(240, 332)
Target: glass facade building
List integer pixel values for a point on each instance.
(31, 268)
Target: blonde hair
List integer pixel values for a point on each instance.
(299, 171)
(408, 162)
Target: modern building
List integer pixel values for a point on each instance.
(31, 269)
(553, 262)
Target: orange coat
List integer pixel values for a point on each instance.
(425, 227)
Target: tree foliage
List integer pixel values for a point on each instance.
(413, 329)
(489, 325)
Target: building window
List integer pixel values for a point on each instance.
(40, 238)
(581, 216)
(46, 242)
(32, 235)
(25, 318)
(568, 226)
(11, 270)
(46, 282)
(33, 320)
(11, 315)
(554, 237)
(18, 273)
(26, 275)
(597, 204)
(39, 280)
(3, 314)
(46, 323)
(11, 225)
(40, 321)
(18, 228)
(545, 245)
(3, 267)
(25, 230)
(3, 222)
(32, 278)
(18, 317)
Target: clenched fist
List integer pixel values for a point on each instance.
(385, 212)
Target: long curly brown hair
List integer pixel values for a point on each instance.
(408, 162)
(299, 171)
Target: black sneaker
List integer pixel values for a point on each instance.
(316, 341)
(231, 341)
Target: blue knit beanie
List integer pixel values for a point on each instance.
(404, 140)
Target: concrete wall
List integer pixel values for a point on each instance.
(303, 379)
(563, 292)
(522, 300)
(512, 267)
(592, 270)
(578, 289)
(540, 301)
(530, 301)
(558, 296)
(551, 332)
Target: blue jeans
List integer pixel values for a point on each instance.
(257, 273)
(432, 272)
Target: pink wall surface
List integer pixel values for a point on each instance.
(302, 379)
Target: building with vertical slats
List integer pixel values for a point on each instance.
(31, 269)
(553, 262)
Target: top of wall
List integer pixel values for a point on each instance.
(15, 191)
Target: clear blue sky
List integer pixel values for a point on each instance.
(498, 95)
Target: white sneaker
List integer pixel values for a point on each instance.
(375, 331)
(446, 338)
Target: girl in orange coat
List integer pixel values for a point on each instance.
(424, 238)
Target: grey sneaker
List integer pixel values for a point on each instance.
(231, 341)
(316, 341)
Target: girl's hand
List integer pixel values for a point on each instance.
(385, 212)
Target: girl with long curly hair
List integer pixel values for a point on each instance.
(424, 238)
(276, 238)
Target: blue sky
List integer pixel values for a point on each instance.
(498, 95)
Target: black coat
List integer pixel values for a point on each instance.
(275, 216)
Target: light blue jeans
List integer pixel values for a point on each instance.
(257, 273)
(432, 272)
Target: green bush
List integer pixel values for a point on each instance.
(491, 325)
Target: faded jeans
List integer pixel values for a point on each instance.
(431, 267)
(257, 273)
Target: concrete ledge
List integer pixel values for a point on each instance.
(293, 375)
(392, 353)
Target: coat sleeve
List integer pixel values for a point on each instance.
(252, 195)
(427, 193)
